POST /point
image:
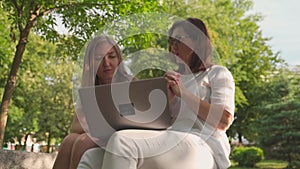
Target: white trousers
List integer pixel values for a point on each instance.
(148, 149)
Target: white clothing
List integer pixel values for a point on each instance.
(191, 142)
(91, 159)
(180, 156)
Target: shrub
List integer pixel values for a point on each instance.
(293, 165)
(247, 156)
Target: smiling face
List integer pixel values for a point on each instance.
(182, 45)
(109, 61)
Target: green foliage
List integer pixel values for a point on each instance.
(293, 165)
(150, 63)
(278, 126)
(282, 136)
(240, 46)
(272, 164)
(150, 73)
(245, 52)
(43, 91)
(264, 164)
(42, 101)
(6, 49)
(143, 38)
(94, 16)
(247, 156)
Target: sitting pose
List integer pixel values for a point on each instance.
(202, 111)
(102, 59)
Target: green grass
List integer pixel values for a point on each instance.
(264, 164)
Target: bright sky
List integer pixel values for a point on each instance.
(281, 22)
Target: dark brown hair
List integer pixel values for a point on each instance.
(197, 31)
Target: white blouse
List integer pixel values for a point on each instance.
(216, 86)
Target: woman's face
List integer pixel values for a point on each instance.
(182, 47)
(109, 61)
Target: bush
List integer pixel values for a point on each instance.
(293, 165)
(247, 156)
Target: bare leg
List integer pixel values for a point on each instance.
(62, 160)
(83, 143)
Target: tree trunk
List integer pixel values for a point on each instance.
(12, 79)
(25, 142)
(240, 138)
(10, 86)
(48, 143)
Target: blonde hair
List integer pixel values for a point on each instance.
(89, 74)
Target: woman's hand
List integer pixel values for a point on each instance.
(174, 84)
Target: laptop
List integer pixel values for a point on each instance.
(141, 104)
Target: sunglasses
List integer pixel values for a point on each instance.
(177, 39)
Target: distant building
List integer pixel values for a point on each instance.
(295, 68)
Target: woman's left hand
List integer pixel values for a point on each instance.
(174, 83)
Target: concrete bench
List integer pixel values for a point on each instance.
(13, 159)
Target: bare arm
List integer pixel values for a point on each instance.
(220, 119)
(215, 115)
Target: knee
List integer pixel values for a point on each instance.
(120, 137)
(121, 145)
(83, 137)
(92, 158)
(68, 142)
(70, 139)
(115, 139)
(84, 140)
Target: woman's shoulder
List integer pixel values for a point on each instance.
(219, 70)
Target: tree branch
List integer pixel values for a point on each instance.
(19, 11)
(16, 5)
(69, 6)
(22, 5)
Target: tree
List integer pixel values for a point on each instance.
(56, 102)
(6, 49)
(42, 102)
(278, 126)
(239, 45)
(82, 18)
(235, 35)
